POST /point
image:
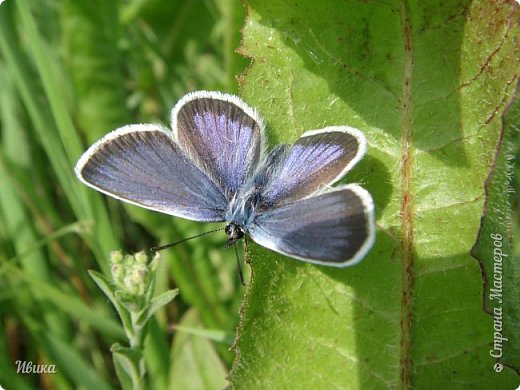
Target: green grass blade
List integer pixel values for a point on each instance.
(62, 146)
(93, 59)
(9, 378)
(195, 365)
(157, 356)
(218, 336)
(40, 52)
(72, 363)
(72, 305)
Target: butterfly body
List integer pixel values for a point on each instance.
(243, 209)
(214, 167)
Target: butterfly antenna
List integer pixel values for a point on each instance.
(240, 273)
(160, 248)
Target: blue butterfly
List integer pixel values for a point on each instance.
(215, 167)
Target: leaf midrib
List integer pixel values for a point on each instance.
(406, 214)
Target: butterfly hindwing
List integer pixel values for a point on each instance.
(335, 228)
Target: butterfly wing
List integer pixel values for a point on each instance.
(317, 160)
(142, 165)
(222, 135)
(335, 228)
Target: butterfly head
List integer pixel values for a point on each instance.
(234, 232)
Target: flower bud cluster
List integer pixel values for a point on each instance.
(131, 273)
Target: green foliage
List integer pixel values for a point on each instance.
(195, 364)
(428, 82)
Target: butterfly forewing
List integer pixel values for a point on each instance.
(334, 228)
(222, 135)
(141, 164)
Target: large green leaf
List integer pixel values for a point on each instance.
(427, 82)
(501, 269)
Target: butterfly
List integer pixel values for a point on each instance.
(213, 166)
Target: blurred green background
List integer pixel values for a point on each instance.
(71, 71)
